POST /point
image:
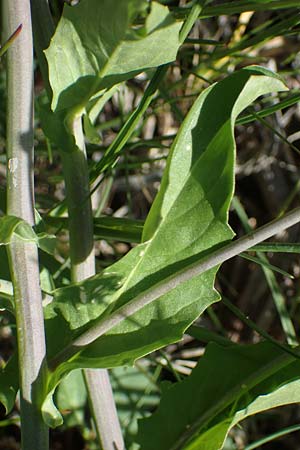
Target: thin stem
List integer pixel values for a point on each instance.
(23, 257)
(205, 335)
(277, 247)
(238, 7)
(105, 415)
(273, 436)
(81, 238)
(79, 208)
(196, 268)
(43, 27)
(10, 40)
(278, 298)
(113, 151)
(191, 19)
(238, 313)
(98, 385)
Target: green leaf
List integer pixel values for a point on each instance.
(188, 220)
(46, 242)
(51, 415)
(4, 266)
(90, 131)
(71, 398)
(135, 394)
(95, 47)
(54, 127)
(10, 225)
(252, 381)
(9, 383)
(6, 301)
(2, 200)
(106, 227)
(96, 105)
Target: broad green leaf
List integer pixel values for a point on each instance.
(46, 280)
(96, 47)
(187, 220)
(252, 381)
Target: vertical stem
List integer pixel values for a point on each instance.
(81, 237)
(43, 31)
(79, 206)
(98, 385)
(101, 395)
(23, 257)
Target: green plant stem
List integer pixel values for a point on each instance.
(238, 7)
(272, 437)
(43, 27)
(265, 264)
(23, 257)
(113, 151)
(203, 334)
(277, 247)
(82, 256)
(191, 19)
(238, 313)
(196, 268)
(79, 209)
(101, 395)
(10, 40)
(81, 237)
(291, 100)
(106, 227)
(286, 322)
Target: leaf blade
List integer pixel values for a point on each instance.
(212, 410)
(98, 56)
(191, 210)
